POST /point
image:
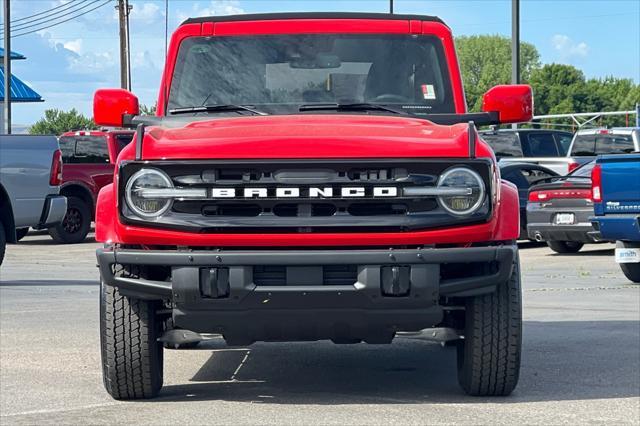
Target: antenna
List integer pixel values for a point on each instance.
(391, 7)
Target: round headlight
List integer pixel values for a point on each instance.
(461, 178)
(139, 192)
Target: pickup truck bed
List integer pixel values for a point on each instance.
(30, 174)
(616, 190)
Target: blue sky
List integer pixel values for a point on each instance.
(68, 62)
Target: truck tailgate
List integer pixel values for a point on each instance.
(621, 183)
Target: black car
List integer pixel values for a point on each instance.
(523, 175)
(558, 211)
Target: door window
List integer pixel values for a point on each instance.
(564, 142)
(503, 144)
(84, 149)
(122, 140)
(540, 145)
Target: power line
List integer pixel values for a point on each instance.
(58, 15)
(46, 13)
(64, 5)
(62, 22)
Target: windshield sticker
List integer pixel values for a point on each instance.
(428, 92)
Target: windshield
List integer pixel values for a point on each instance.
(602, 144)
(278, 74)
(584, 170)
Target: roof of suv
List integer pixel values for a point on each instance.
(311, 15)
(614, 130)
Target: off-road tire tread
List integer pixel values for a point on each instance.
(131, 355)
(489, 356)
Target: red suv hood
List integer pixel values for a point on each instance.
(309, 136)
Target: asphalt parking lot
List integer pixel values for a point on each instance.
(581, 361)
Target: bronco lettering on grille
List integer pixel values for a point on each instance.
(306, 192)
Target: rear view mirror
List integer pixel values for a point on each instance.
(513, 103)
(114, 107)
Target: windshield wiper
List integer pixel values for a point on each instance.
(215, 108)
(360, 106)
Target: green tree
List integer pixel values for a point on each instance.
(563, 89)
(485, 61)
(56, 122)
(146, 110)
(558, 89)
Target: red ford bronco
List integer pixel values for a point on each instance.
(309, 176)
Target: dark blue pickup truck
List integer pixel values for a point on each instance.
(616, 196)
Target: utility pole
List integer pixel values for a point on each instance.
(166, 28)
(124, 8)
(391, 7)
(515, 44)
(7, 67)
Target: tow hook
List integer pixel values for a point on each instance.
(176, 338)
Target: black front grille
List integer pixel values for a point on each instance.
(307, 213)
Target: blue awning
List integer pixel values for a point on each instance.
(20, 92)
(14, 55)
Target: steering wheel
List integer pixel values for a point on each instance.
(390, 97)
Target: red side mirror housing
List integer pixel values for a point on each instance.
(110, 106)
(513, 103)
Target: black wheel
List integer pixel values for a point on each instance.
(631, 271)
(565, 246)
(75, 225)
(489, 355)
(131, 354)
(3, 242)
(21, 233)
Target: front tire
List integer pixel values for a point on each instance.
(76, 223)
(132, 357)
(3, 242)
(631, 271)
(564, 247)
(489, 355)
(21, 233)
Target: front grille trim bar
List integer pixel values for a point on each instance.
(415, 207)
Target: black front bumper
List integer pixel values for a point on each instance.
(306, 309)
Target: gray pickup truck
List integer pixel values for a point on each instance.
(30, 177)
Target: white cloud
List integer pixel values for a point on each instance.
(93, 63)
(147, 13)
(567, 48)
(214, 8)
(74, 45)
